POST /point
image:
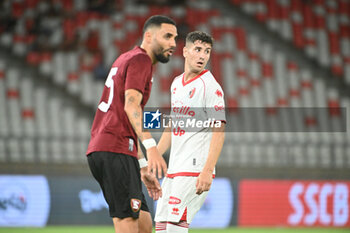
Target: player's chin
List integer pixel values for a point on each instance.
(198, 69)
(163, 59)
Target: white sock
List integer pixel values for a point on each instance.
(181, 227)
(161, 227)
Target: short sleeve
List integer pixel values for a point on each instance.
(214, 102)
(138, 73)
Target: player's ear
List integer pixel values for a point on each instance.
(148, 37)
(184, 52)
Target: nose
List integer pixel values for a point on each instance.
(173, 43)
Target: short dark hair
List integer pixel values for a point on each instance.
(157, 20)
(198, 35)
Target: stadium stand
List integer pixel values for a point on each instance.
(54, 57)
(320, 27)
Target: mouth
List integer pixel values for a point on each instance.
(200, 63)
(170, 52)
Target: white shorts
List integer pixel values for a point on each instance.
(179, 193)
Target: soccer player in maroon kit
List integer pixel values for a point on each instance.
(113, 151)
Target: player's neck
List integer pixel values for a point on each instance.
(188, 75)
(149, 53)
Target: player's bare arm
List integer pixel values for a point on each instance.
(165, 141)
(132, 107)
(149, 179)
(205, 178)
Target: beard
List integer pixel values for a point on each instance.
(161, 57)
(159, 54)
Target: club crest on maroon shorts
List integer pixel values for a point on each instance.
(135, 204)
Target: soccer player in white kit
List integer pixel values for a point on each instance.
(198, 100)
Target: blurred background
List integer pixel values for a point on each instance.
(268, 54)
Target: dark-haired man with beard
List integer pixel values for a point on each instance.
(114, 156)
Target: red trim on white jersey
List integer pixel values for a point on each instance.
(191, 80)
(160, 226)
(204, 88)
(180, 224)
(194, 174)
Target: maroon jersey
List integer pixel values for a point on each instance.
(111, 130)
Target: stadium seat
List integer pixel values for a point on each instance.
(70, 151)
(69, 120)
(3, 153)
(27, 107)
(298, 154)
(347, 154)
(41, 114)
(312, 154)
(59, 72)
(229, 77)
(325, 156)
(13, 105)
(339, 158)
(14, 149)
(87, 87)
(29, 154)
(55, 115)
(46, 64)
(56, 151)
(43, 151)
(4, 129)
(271, 155)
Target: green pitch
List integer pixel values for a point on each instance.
(104, 229)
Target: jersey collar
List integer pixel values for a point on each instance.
(191, 80)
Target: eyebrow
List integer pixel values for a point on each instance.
(168, 34)
(198, 47)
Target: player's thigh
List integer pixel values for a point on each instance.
(126, 225)
(145, 222)
(133, 225)
(126, 189)
(184, 197)
(162, 203)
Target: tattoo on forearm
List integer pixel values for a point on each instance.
(131, 99)
(136, 115)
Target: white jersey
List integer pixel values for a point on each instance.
(199, 99)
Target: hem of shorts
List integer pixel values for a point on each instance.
(186, 174)
(113, 151)
(172, 220)
(124, 216)
(128, 216)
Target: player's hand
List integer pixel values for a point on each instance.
(156, 162)
(151, 183)
(204, 182)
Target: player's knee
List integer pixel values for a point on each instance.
(145, 222)
(146, 228)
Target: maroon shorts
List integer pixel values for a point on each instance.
(120, 180)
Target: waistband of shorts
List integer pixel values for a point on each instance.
(193, 174)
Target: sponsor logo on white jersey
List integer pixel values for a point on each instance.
(174, 200)
(191, 94)
(218, 93)
(175, 211)
(183, 110)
